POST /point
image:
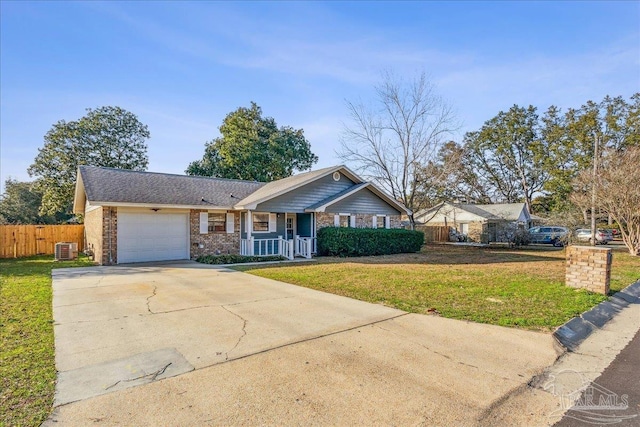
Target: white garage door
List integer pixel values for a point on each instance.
(152, 236)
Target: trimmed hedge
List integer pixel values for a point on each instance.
(347, 242)
(236, 259)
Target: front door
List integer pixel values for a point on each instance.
(291, 226)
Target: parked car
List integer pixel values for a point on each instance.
(602, 236)
(554, 235)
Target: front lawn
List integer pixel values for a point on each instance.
(26, 339)
(519, 288)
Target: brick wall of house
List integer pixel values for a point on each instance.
(589, 268)
(213, 243)
(101, 233)
(109, 236)
(324, 219)
(93, 233)
(395, 221)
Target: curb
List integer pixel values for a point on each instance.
(576, 330)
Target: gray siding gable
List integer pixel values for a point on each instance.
(362, 202)
(301, 198)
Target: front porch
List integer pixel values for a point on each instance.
(297, 247)
(289, 235)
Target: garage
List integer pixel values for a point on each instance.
(152, 236)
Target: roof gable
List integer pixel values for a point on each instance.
(359, 191)
(282, 186)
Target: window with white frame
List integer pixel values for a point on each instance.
(217, 222)
(261, 222)
(344, 220)
(264, 222)
(381, 221)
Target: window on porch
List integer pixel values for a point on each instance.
(264, 222)
(261, 222)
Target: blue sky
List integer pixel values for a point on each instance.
(182, 66)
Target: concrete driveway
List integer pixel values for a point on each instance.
(189, 344)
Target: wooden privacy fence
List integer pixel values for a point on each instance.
(435, 233)
(26, 240)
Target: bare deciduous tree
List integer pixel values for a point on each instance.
(391, 141)
(617, 192)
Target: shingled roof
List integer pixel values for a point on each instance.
(118, 187)
(497, 211)
(109, 186)
(506, 211)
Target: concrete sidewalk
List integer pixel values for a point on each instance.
(191, 345)
(553, 393)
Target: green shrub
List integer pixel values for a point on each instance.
(347, 242)
(236, 259)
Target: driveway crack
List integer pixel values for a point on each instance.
(155, 291)
(244, 331)
(153, 375)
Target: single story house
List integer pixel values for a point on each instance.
(133, 216)
(480, 223)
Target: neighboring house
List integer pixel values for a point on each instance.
(480, 223)
(132, 216)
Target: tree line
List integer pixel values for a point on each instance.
(402, 141)
(251, 147)
(523, 156)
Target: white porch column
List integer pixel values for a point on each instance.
(314, 230)
(249, 225)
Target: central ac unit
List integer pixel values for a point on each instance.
(66, 251)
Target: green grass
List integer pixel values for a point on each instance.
(521, 288)
(517, 288)
(27, 368)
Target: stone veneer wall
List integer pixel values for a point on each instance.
(324, 219)
(589, 268)
(213, 243)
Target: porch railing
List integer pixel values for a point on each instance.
(267, 247)
(304, 246)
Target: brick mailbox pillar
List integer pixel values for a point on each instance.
(589, 268)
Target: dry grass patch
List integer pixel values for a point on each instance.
(520, 288)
